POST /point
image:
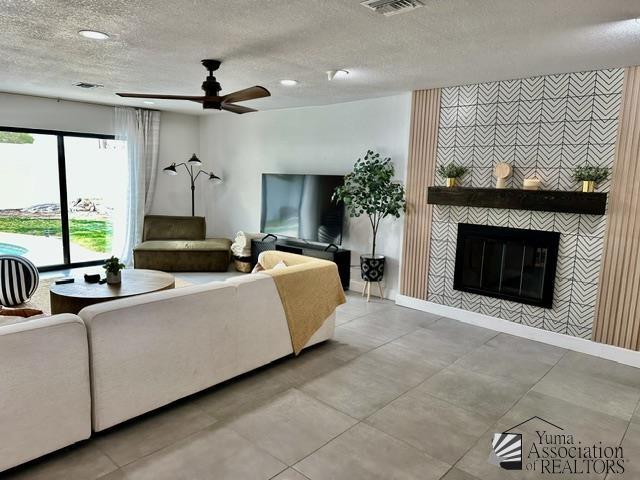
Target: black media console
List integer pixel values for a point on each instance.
(341, 257)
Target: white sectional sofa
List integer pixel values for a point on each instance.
(44, 387)
(65, 375)
(151, 350)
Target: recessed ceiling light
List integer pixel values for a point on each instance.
(93, 34)
(288, 83)
(149, 102)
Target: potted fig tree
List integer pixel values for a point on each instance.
(370, 190)
(113, 267)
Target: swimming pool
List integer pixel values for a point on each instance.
(10, 249)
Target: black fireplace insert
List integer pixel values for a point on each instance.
(508, 263)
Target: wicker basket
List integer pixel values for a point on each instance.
(242, 264)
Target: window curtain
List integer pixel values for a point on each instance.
(140, 128)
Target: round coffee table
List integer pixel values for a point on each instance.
(73, 297)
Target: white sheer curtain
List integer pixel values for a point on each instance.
(140, 128)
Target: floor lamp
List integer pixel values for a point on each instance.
(193, 162)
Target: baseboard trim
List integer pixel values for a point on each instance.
(617, 354)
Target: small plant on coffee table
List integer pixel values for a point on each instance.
(113, 267)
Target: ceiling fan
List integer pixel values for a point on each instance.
(211, 98)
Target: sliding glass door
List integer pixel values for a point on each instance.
(62, 196)
(96, 196)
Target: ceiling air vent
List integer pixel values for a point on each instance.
(87, 85)
(391, 7)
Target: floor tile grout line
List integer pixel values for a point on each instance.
(626, 430)
(496, 422)
(323, 445)
(97, 442)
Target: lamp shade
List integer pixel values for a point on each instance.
(170, 170)
(214, 178)
(194, 160)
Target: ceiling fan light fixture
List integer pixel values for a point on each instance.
(170, 170)
(194, 160)
(94, 35)
(289, 83)
(331, 74)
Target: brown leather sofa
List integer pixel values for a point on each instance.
(179, 244)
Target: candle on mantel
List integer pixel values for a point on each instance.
(531, 184)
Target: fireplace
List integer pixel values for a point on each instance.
(508, 263)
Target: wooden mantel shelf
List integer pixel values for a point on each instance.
(540, 200)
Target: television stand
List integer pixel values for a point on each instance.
(331, 252)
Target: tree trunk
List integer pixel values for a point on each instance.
(373, 250)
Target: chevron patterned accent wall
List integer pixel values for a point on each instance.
(543, 127)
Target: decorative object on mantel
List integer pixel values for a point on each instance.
(113, 267)
(194, 161)
(371, 190)
(531, 184)
(590, 176)
(502, 172)
(540, 200)
(451, 173)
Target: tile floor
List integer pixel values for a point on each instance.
(397, 394)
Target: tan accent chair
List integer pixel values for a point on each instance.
(179, 244)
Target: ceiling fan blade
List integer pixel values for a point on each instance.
(230, 107)
(166, 97)
(250, 93)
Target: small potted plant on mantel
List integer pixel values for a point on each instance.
(113, 267)
(590, 176)
(370, 190)
(452, 173)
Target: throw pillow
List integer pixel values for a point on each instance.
(257, 268)
(280, 265)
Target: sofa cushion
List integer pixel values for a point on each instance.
(11, 320)
(166, 227)
(212, 255)
(208, 245)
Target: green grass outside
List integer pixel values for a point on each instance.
(92, 234)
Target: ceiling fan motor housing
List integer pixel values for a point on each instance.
(211, 86)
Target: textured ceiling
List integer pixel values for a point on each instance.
(156, 46)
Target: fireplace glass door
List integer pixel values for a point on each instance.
(508, 263)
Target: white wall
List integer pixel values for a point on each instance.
(179, 137)
(51, 114)
(320, 140)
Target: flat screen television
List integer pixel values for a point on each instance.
(300, 206)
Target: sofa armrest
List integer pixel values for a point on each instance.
(45, 395)
(271, 258)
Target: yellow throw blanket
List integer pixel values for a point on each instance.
(310, 291)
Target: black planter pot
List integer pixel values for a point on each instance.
(372, 267)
